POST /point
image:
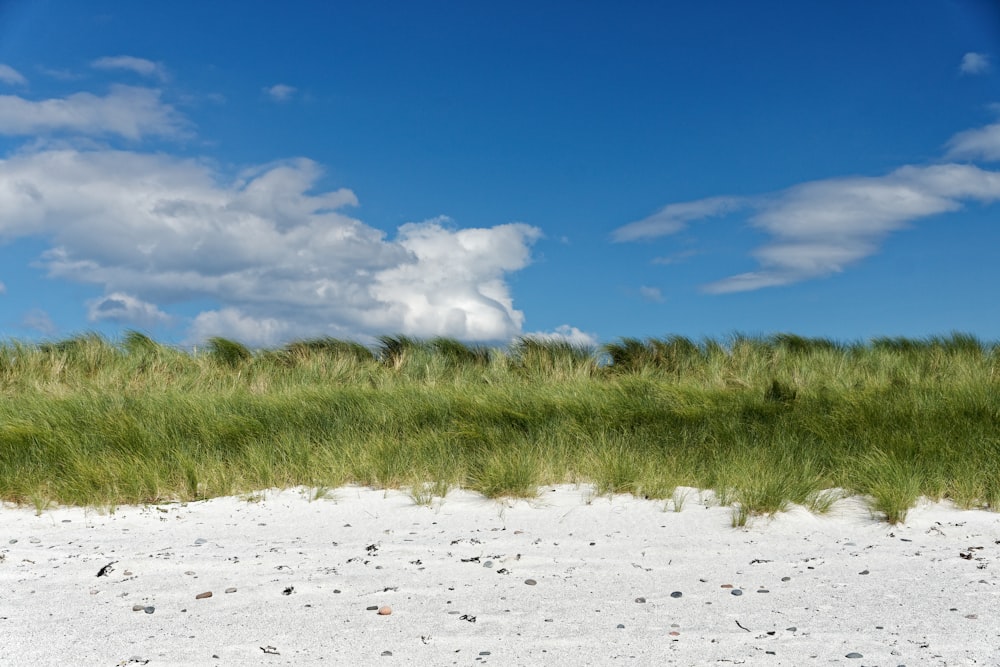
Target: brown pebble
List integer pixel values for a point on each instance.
(137, 607)
(674, 633)
(384, 611)
(202, 596)
(727, 585)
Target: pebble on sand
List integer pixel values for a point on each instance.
(530, 582)
(384, 611)
(202, 596)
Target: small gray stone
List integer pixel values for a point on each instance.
(200, 541)
(137, 607)
(621, 626)
(676, 594)
(530, 582)
(640, 600)
(231, 589)
(854, 655)
(149, 610)
(736, 592)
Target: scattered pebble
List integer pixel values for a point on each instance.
(640, 600)
(530, 582)
(137, 607)
(202, 596)
(864, 572)
(853, 655)
(384, 611)
(149, 610)
(736, 591)
(727, 585)
(386, 653)
(763, 590)
(372, 608)
(621, 626)
(231, 589)
(676, 594)
(786, 578)
(200, 541)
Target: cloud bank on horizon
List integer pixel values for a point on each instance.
(280, 259)
(819, 228)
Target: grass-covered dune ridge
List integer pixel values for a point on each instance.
(763, 421)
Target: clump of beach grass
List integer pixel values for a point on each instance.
(764, 421)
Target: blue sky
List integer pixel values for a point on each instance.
(585, 169)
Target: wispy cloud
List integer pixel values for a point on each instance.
(11, 76)
(38, 320)
(126, 111)
(140, 66)
(3, 288)
(975, 63)
(819, 228)
(674, 217)
(280, 92)
(980, 143)
(652, 294)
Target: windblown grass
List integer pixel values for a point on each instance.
(764, 421)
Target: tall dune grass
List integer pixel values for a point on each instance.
(764, 421)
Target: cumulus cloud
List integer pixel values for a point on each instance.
(819, 228)
(126, 111)
(125, 309)
(281, 260)
(138, 65)
(280, 92)
(11, 76)
(974, 63)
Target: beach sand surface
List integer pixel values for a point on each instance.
(566, 578)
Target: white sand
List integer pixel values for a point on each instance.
(454, 575)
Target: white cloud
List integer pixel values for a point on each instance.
(674, 217)
(3, 288)
(280, 260)
(232, 323)
(567, 334)
(653, 294)
(11, 76)
(982, 143)
(819, 228)
(974, 63)
(38, 320)
(137, 65)
(280, 92)
(126, 111)
(125, 308)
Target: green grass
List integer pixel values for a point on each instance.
(763, 421)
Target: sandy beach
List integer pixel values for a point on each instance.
(566, 578)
